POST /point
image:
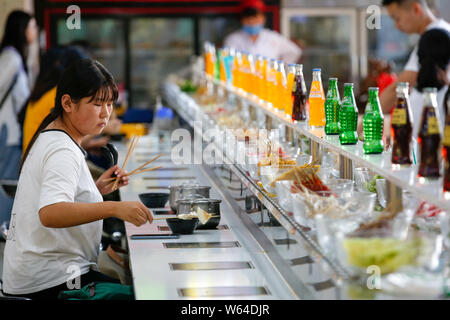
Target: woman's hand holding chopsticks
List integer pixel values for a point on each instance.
(104, 181)
(113, 183)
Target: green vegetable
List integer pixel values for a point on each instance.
(387, 253)
(371, 186)
(188, 87)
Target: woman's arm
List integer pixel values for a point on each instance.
(68, 214)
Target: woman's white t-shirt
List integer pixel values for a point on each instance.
(37, 257)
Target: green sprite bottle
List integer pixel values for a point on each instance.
(332, 105)
(217, 64)
(373, 124)
(348, 117)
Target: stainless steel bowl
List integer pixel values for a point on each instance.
(186, 191)
(212, 206)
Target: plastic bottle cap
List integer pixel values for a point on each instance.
(348, 84)
(291, 65)
(316, 69)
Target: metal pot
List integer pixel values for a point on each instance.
(212, 206)
(187, 191)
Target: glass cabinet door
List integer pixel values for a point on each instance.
(327, 38)
(386, 43)
(215, 29)
(105, 39)
(158, 47)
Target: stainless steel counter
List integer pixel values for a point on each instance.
(239, 260)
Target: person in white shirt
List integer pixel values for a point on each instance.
(56, 223)
(20, 32)
(411, 17)
(255, 39)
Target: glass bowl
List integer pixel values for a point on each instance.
(385, 252)
(346, 213)
(359, 208)
(362, 177)
(342, 187)
(270, 173)
(283, 191)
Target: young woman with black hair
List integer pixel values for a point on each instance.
(20, 31)
(56, 221)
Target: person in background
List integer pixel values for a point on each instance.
(411, 17)
(379, 75)
(255, 39)
(42, 98)
(386, 76)
(20, 32)
(434, 57)
(56, 224)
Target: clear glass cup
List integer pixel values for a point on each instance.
(300, 211)
(362, 177)
(363, 203)
(342, 187)
(283, 190)
(381, 191)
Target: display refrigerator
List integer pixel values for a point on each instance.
(341, 41)
(141, 42)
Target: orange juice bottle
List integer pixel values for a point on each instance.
(208, 58)
(257, 75)
(244, 71)
(237, 70)
(288, 104)
(222, 72)
(264, 82)
(316, 101)
(272, 93)
(281, 86)
(252, 81)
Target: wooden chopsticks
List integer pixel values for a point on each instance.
(133, 143)
(165, 218)
(140, 169)
(134, 172)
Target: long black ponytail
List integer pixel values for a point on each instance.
(83, 78)
(434, 55)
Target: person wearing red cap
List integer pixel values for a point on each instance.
(255, 39)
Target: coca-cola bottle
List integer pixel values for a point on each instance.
(401, 127)
(429, 136)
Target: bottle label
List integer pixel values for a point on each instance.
(316, 91)
(446, 141)
(399, 117)
(433, 127)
